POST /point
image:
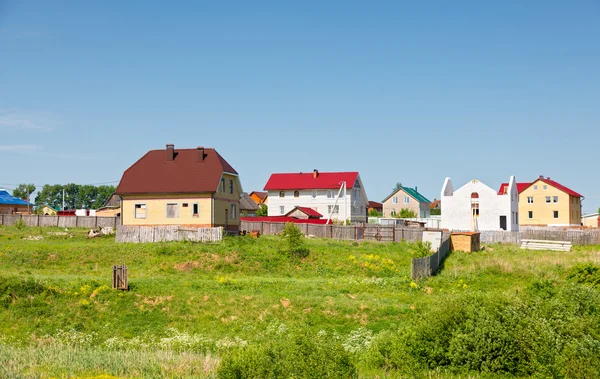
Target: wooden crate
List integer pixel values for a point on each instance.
(119, 278)
(465, 241)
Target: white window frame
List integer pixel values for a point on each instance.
(555, 199)
(548, 199)
(545, 187)
(233, 211)
(167, 210)
(281, 193)
(336, 209)
(145, 207)
(395, 200)
(406, 199)
(281, 209)
(535, 188)
(330, 194)
(529, 199)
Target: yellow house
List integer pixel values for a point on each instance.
(192, 187)
(546, 202)
(46, 210)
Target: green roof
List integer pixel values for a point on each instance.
(412, 192)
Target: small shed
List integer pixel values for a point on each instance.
(465, 241)
(303, 213)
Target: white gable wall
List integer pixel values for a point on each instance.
(457, 211)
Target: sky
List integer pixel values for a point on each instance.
(409, 92)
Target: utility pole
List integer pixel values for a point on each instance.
(63, 207)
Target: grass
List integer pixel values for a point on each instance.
(190, 304)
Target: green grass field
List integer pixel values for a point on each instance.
(200, 310)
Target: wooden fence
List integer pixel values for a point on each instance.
(368, 232)
(60, 221)
(429, 265)
(575, 236)
(166, 233)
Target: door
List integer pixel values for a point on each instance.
(503, 222)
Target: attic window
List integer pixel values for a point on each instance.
(222, 185)
(231, 187)
(296, 193)
(281, 194)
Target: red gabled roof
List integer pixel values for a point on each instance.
(375, 204)
(261, 195)
(152, 173)
(520, 187)
(301, 181)
(320, 221)
(308, 211)
(523, 186)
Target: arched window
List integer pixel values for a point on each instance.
(296, 193)
(474, 195)
(281, 194)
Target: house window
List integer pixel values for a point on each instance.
(185, 205)
(393, 213)
(335, 209)
(282, 210)
(406, 199)
(395, 200)
(555, 199)
(195, 210)
(314, 194)
(530, 214)
(281, 194)
(172, 210)
(222, 185)
(233, 209)
(517, 218)
(545, 187)
(547, 199)
(475, 211)
(140, 211)
(330, 194)
(535, 188)
(231, 187)
(530, 199)
(555, 214)
(296, 193)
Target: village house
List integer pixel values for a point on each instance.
(259, 197)
(13, 205)
(111, 207)
(406, 198)
(477, 207)
(545, 202)
(194, 187)
(375, 206)
(248, 206)
(591, 220)
(336, 195)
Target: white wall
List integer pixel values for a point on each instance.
(352, 204)
(457, 211)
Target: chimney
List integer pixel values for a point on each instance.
(541, 176)
(170, 152)
(315, 173)
(416, 189)
(200, 151)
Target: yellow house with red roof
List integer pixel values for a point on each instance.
(545, 202)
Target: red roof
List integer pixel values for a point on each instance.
(285, 219)
(153, 173)
(261, 195)
(520, 187)
(374, 204)
(300, 181)
(523, 186)
(308, 211)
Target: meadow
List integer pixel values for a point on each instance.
(251, 307)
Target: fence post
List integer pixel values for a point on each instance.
(306, 228)
(96, 222)
(2, 218)
(394, 233)
(76, 220)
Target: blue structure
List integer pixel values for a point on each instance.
(9, 201)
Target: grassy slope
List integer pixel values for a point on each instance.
(238, 289)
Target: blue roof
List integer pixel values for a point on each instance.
(7, 198)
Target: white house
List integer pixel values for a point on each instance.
(477, 207)
(335, 195)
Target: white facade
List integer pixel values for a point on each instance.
(477, 207)
(352, 203)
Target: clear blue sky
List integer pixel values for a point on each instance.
(399, 91)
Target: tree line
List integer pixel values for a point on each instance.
(76, 196)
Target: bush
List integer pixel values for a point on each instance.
(374, 213)
(262, 211)
(298, 356)
(295, 241)
(20, 224)
(421, 249)
(585, 273)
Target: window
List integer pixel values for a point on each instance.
(140, 211)
(547, 199)
(475, 211)
(184, 205)
(195, 210)
(406, 199)
(231, 187)
(517, 218)
(555, 199)
(222, 185)
(530, 199)
(233, 209)
(296, 193)
(555, 214)
(281, 194)
(530, 214)
(335, 209)
(282, 210)
(393, 213)
(172, 210)
(314, 194)
(330, 194)
(545, 187)
(535, 188)
(395, 199)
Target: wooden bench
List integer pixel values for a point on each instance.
(546, 245)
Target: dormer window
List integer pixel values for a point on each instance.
(281, 194)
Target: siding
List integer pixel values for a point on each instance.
(156, 209)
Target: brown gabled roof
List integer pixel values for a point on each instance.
(153, 173)
(261, 195)
(375, 204)
(247, 204)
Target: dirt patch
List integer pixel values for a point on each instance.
(187, 266)
(285, 303)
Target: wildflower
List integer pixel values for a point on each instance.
(413, 285)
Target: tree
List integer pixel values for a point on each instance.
(405, 213)
(263, 210)
(23, 191)
(436, 212)
(76, 196)
(374, 213)
(397, 187)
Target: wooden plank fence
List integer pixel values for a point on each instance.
(60, 221)
(430, 265)
(167, 233)
(368, 232)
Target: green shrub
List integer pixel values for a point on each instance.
(585, 273)
(295, 240)
(421, 249)
(20, 224)
(298, 356)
